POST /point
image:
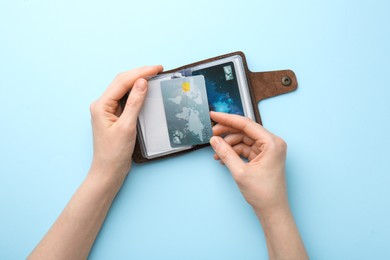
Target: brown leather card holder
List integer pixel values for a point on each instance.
(261, 85)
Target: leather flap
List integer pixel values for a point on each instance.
(272, 83)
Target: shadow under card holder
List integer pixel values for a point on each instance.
(261, 85)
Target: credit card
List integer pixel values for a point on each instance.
(187, 111)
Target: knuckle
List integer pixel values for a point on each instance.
(119, 76)
(240, 176)
(280, 144)
(268, 139)
(250, 123)
(240, 172)
(93, 107)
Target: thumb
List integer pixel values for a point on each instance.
(134, 103)
(226, 153)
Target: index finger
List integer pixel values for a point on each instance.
(124, 81)
(243, 124)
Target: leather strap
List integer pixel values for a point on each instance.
(272, 83)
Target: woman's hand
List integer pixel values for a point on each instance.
(262, 179)
(114, 130)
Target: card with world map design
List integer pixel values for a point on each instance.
(187, 111)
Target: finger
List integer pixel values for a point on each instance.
(134, 103)
(227, 154)
(242, 150)
(124, 81)
(220, 129)
(233, 139)
(244, 124)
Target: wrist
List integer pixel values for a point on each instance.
(111, 167)
(281, 233)
(276, 213)
(106, 180)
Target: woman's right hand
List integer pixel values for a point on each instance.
(262, 179)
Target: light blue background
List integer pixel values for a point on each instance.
(56, 57)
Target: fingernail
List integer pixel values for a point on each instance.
(140, 85)
(215, 142)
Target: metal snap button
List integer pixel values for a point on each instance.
(286, 81)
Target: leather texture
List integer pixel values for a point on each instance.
(262, 85)
(269, 84)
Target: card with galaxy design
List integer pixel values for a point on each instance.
(172, 121)
(186, 110)
(222, 88)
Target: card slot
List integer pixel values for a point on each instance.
(153, 126)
